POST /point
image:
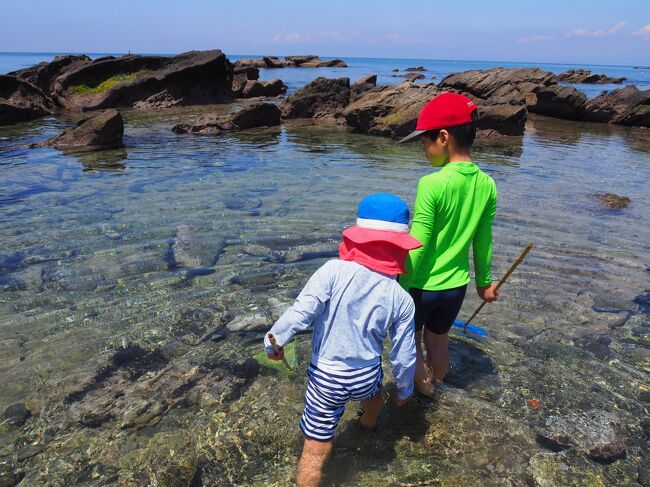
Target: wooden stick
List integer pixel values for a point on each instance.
(276, 349)
(503, 279)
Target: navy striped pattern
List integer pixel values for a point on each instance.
(328, 391)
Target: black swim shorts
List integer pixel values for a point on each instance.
(437, 309)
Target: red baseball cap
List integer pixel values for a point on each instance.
(445, 110)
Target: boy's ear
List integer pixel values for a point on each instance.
(444, 137)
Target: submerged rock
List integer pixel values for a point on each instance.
(599, 434)
(101, 131)
(410, 76)
(20, 100)
(16, 414)
(258, 115)
(613, 201)
(585, 76)
(193, 247)
(322, 98)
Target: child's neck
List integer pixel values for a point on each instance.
(460, 157)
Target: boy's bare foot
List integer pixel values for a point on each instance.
(425, 385)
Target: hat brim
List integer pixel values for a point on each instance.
(412, 135)
(362, 235)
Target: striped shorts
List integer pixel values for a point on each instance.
(328, 391)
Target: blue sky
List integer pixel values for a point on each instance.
(568, 31)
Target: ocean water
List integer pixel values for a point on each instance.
(358, 67)
(130, 377)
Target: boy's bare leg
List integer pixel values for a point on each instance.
(437, 354)
(313, 458)
(422, 378)
(371, 408)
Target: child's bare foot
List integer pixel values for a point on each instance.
(425, 383)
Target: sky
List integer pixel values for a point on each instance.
(616, 32)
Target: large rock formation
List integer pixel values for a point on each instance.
(99, 132)
(20, 100)
(561, 102)
(259, 115)
(585, 76)
(196, 77)
(254, 88)
(42, 75)
(322, 98)
(625, 106)
(393, 111)
(517, 84)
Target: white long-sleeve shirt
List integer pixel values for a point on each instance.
(352, 310)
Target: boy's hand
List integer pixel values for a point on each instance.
(403, 402)
(489, 293)
(276, 355)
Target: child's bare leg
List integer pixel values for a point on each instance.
(437, 354)
(313, 458)
(422, 378)
(371, 408)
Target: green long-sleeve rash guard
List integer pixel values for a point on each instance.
(454, 208)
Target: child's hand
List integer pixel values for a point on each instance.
(402, 402)
(489, 293)
(276, 355)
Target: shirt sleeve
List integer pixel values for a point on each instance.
(300, 316)
(482, 243)
(424, 215)
(402, 352)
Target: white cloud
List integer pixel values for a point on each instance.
(643, 31)
(391, 38)
(596, 33)
(540, 38)
(333, 36)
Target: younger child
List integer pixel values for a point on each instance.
(454, 208)
(353, 304)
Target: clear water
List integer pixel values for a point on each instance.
(85, 272)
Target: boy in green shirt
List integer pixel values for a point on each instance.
(454, 208)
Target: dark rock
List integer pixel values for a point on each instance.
(516, 84)
(258, 115)
(254, 88)
(395, 70)
(20, 100)
(319, 99)
(416, 68)
(643, 300)
(251, 71)
(9, 477)
(43, 74)
(302, 59)
(613, 201)
(599, 434)
(362, 85)
(504, 118)
(101, 131)
(16, 414)
(625, 106)
(272, 62)
(410, 76)
(248, 63)
(159, 101)
(585, 76)
(561, 102)
(197, 77)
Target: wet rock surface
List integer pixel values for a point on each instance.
(257, 115)
(43, 74)
(20, 100)
(600, 434)
(101, 131)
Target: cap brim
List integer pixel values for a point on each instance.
(412, 135)
(362, 235)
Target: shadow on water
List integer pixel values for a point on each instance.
(469, 363)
